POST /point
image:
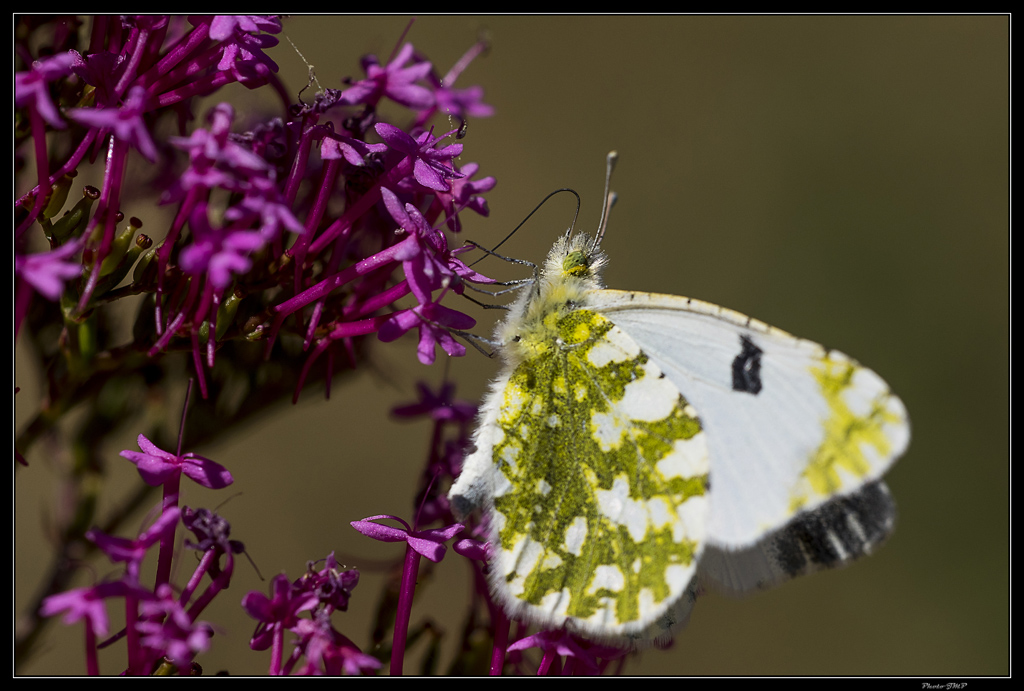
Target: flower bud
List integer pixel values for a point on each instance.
(226, 313)
(58, 196)
(73, 223)
(119, 247)
(110, 281)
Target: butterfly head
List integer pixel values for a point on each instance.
(575, 260)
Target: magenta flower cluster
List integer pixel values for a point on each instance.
(162, 631)
(318, 593)
(316, 222)
(290, 237)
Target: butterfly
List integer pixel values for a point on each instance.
(637, 448)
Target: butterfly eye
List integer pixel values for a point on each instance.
(576, 264)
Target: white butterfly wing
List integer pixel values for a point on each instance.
(790, 425)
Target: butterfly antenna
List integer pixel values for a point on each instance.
(609, 197)
(543, 201)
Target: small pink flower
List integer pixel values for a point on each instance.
(156, 466)
(47, 272)
(429, 543)
(88, 603)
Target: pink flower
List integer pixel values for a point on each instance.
(393, 80)
(125, 122)
(87, 603)
(429, 543)
(46, 272)
(156, 466)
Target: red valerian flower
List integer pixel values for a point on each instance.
(433, 321)
(278, 613)
(393, 80)
(33, 87)
(156, 466)
(432, 167)
(87, 603)
(134, 551)
(429, 543)
(440, 406)
(47, 271)
(125, 123)
(167, 627)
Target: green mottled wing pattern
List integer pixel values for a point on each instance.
(599, 497)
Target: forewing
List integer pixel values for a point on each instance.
(789, 424)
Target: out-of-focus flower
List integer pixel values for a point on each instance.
(166, 627)
(134, 551)
(88, 603)
(47, 272)
(33, 87)
(124, 123)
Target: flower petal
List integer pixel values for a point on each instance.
(433, 551)
(206, 472)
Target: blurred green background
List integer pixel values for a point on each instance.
(843, 178)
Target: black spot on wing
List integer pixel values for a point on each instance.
(836, 532)
(746, 368)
